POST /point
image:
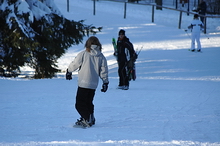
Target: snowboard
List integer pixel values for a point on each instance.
(115, 48)
(131, 72)
(79, 126)
(131, 66)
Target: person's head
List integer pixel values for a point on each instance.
(196, 16)
(92, 41)
(121, 33)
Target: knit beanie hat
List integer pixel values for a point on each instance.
(196, 16)
(121, 32)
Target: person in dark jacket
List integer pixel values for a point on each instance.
(125, 52)
(202, 9)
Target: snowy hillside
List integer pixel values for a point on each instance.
(174, 100)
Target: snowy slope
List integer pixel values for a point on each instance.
(174, 101)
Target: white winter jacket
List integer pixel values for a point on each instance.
(196, 26)
(91, 65)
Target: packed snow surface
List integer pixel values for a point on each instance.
(175, 99)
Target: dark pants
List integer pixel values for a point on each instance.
(84, 102)
(202, 18)
(123, 78)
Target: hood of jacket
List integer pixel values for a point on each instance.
(95, 50)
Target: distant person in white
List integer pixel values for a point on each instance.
(196, 26)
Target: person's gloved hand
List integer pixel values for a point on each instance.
(68, 75)
(134, 57)
(104, 87)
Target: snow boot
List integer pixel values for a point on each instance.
(120, 87)
(91, 120)
(78, 122)
(82, 122)
(85, 123)
(126, 87)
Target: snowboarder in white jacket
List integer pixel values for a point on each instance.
(92, 65)
(196, 26)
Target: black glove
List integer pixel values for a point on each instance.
(134, 57)
(104, 87)
(68, 75)
(115, 54)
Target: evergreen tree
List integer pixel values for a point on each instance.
(13, 49)
(37, 35)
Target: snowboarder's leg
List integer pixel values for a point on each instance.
(82, 103)
(91, 106)
(92, 120)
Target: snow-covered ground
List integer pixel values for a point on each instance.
(174, 100)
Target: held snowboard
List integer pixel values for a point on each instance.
(115, 48)
(131, 72)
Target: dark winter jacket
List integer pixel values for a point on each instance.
(202, 8)
(125, 49)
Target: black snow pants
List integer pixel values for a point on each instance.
(123, 78)
(84, 102)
